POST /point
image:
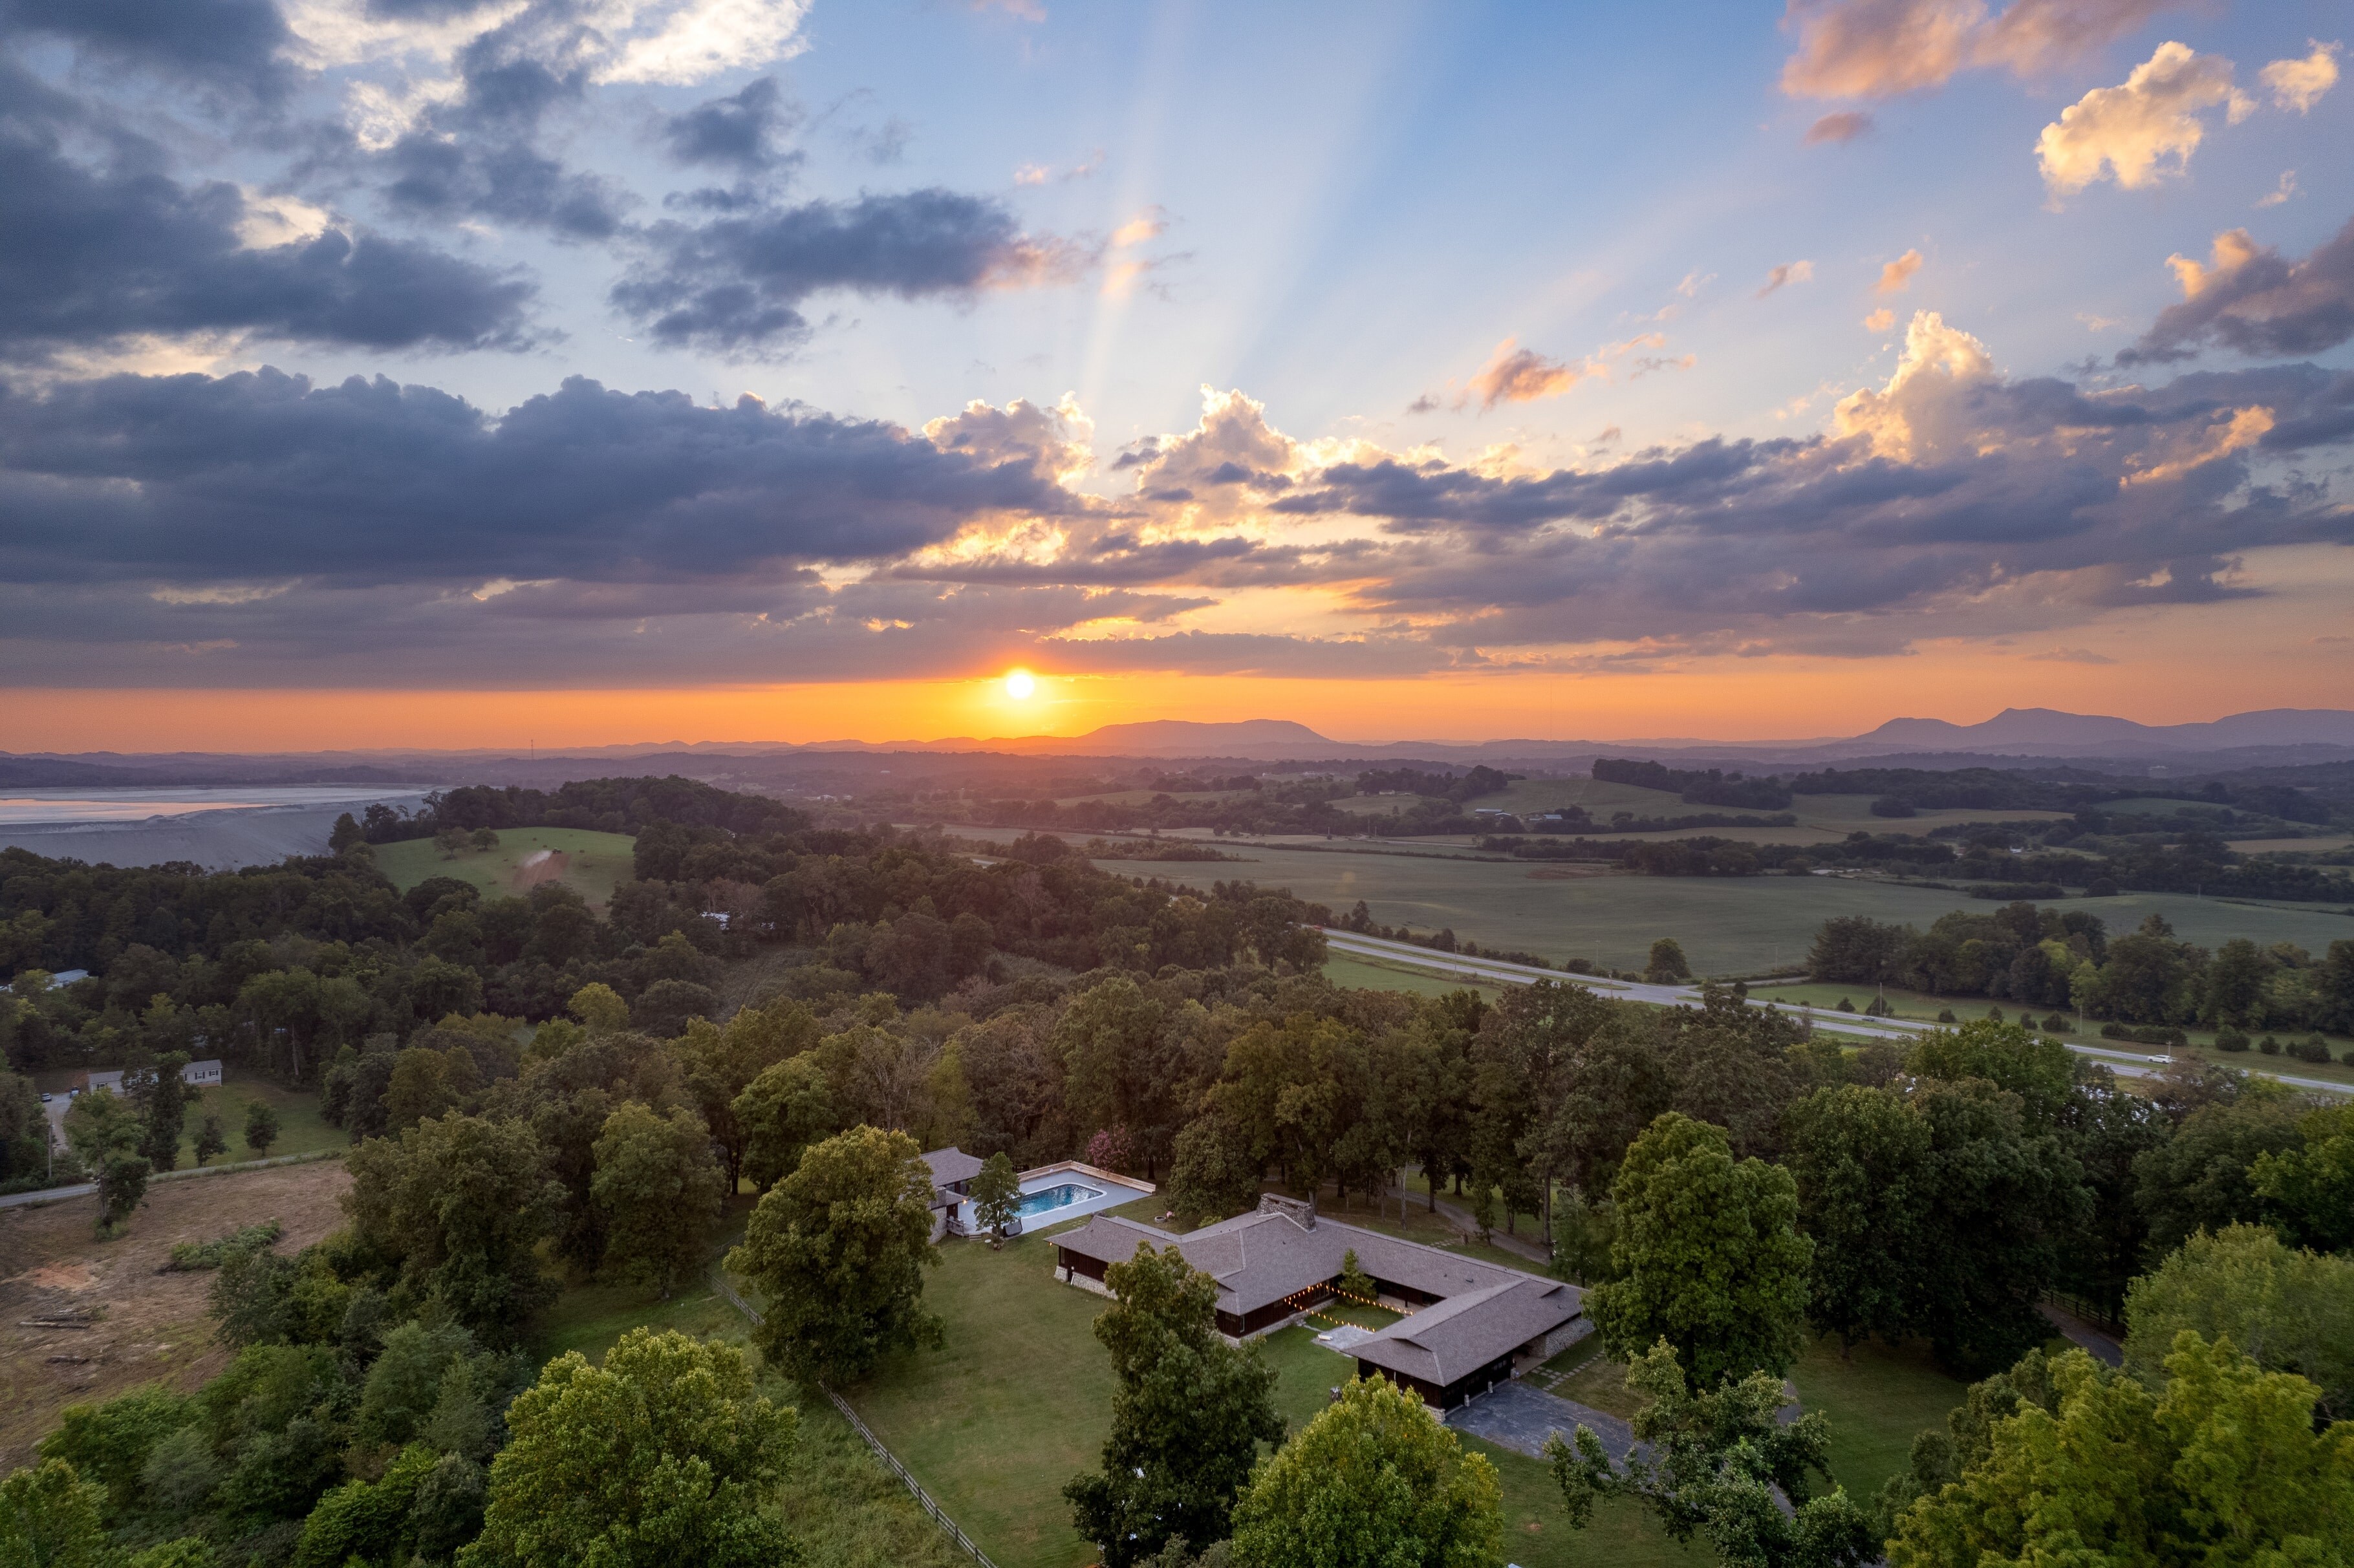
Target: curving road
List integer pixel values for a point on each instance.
(1499, 971)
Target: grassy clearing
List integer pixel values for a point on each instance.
(1877, 1400)
(594, 862)
(1021, 1400)
(300, 1128)
(1364, 974)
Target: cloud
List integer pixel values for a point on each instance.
(1918, 415)
(1898, 273)
(1515, 375)
(1883, 48)
(699, 39)
(2133, 129)
(738, 132)
(1879, 320)
(1039, 173)
(124, 250)
(2300, 84)
(2069, 656)
(230, 48)
(1842, 127)
(198, 481)
(2281, 192)
(737, 283)
(2247, 299)
(1788, 272)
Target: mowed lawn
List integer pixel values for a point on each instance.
(594, 862)
(300, 1128)
(1019, 1401)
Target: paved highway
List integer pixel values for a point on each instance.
(2124, 1063)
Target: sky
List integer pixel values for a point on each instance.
(475, 372)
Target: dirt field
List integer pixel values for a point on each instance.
(144, 1325)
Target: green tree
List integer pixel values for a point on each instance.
(1373, 1480)
(1860, 1157)
(601, 1008)
(663, 1456)
(2042, 1072)
(1188, 1413)
(722, 1062)
(839, 1248)
(787, 1108)
(996, 1193)
(50, 1518)
(2308, 1192)
(210, 1140)
(2290, 1310)
(106, 1134)
(460, 1203)
(1668, 964)
(107, 1443)
(2204, 1176)
(404, 1384)
(260, 1126)
(659, 1190)
(2220, 1466)
(1707, 1257)
(1212, 1173)
(166, 1109)
(1716, 1459)
(365, 1522)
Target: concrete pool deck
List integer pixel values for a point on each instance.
(1111, 1192)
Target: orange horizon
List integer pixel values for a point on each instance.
(1767, 701)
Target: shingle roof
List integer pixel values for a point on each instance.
(1260, 1259)
(951, 1165)
(1462, 1334)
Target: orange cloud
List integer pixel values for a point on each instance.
(1788, 272)
(2300, 84)
(1515, 375)
(1897, 273)
(1879, 320)
(1882, 48)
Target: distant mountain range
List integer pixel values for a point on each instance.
(2273, 737)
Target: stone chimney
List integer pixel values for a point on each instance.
(1292, 1209)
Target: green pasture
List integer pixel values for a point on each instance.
(1727, 925)
(595, 863)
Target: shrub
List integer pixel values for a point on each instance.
(1892, 806)
(1946, 1015)
(2315, 1050)
(2230, 1039)
(2269, 1046)
(2145, 1034)
(188, 1257)
(2102, 887)
(2055, 1025)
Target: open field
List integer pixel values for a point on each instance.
(1727, 925)
(149, 1326)
(591, 862)
(1365, 975)
(2318, 844)
(1021, 1400)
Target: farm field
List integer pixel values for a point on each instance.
(1019, 1401)
(591, 862)
(150, 1326)
(1727, 925)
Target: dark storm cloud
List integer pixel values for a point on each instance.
(192, 478)
(220, 47)
(738, 132)
(508, 181)
(2263, 307)
(737, 283)
(92, 252)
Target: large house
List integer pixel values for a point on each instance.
(1468, 1327)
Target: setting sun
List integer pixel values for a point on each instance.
(1020, 685)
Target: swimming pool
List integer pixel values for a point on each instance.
(1063, 1195)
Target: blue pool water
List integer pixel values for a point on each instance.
(1047, 1199)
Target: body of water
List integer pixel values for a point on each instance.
(45, 806)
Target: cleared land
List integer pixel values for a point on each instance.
(1019, 1401)
(1727, 925)
(148, 1326)
(592, 863)
(1363, 975)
